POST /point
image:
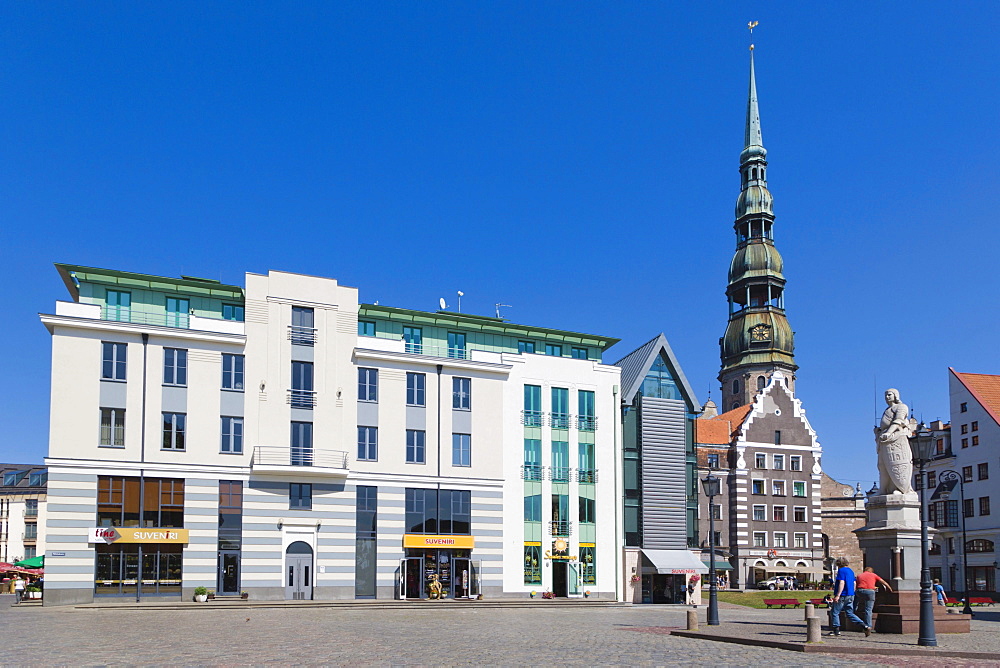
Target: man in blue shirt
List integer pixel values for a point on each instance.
(843, 598)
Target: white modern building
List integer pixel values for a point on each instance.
(285, 441)
(22, 511)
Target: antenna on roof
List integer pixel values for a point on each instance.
(499, 306)
(443, 304)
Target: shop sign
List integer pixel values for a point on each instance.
(416, 540)
(682, 571)
(121, 535)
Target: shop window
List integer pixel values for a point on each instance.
(532, 564)
(588, 565)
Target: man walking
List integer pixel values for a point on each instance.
(843, 598)
(867, 582)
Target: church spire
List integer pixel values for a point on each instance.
(758, 339)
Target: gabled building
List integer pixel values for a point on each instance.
(659, 485)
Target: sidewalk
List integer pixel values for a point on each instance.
(786, 629)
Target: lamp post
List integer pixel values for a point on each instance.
(945, 476)
(921, 446)
(711, 484)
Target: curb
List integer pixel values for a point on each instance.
(835, 649)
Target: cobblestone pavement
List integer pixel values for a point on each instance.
(419, 636)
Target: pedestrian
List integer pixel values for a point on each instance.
(843, 598)
(939, 592)
(864, 600)
(18, 589)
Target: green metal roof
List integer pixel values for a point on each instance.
(73, 275)
(485, 324)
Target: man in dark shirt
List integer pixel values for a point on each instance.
(843, 598)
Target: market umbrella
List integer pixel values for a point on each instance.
(34, 562)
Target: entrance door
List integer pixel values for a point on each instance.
(560, 578)
(298, 571)
(413, 578)
(229, 572)
(463, 578)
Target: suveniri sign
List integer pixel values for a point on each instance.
(422, 540)
(121, 535)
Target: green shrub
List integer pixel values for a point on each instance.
(201, 591)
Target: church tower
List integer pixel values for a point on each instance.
(758, 338)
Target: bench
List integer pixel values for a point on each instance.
(769, 602)
(818, 602)
(952, 601)
(981, 601)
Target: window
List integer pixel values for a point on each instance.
(232, 312)
(587, 471)
(578, 353)
(780, 539)
(588, 564)
(461, 394)
(586, 421)
(456, 345)
(980, 578)
(932, 513)
(984, 471)
(778, 487)
(413, 340)
(112, 427)
(939, 447)
(779, 462)
(588, 512)
(365, 553)
(969, 508)
(965, 429)
(777, 437)
(415, 389)
(177, 312)
(760, 539)
(736, 386)
(300, 496)
(760, 461)
(532, 459)
(935, 549)
(951, 546)
(712, 461)
(761, 381)
(367, 444)
(532, 565)
(798, 488)
(760, 513)
(931, 479)
(532, 507)
(975, 425)
(119, 306)
(113, 361)
(11, 478)
(799, 514)
(367, 384)
(979, 545)
(30, 531)
(553, 349)
(965, 442)
(303, 329)
(37, 479)
(951, 510)
(963, 407)
(715, 512)
(232, 435)
(757, 487)
(526, 347)
(173, 430)
(302, 444)
(366, 328)
(560, 461)
(795, 462)
(800, 540)
(967, 473)
(118, 502)
(461, 450)
(427, 511)
(31, 507)
(302, 395)
(984, 505)
(232, 372)
(415, 440)
(175, 366)
(560, 408)
(532, 415)
(975, 440)
(778, 513)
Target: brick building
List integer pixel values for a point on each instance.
(842, 510)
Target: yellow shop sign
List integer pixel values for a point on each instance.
(120, 535)
(419, 540)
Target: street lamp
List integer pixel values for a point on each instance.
(712, 484)
(921, 447)
(947, 476)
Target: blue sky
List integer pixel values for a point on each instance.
(575, 160)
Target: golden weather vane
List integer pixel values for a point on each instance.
(752, 25)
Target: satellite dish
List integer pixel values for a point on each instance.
(443, 304)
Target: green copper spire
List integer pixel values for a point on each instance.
(758, 338)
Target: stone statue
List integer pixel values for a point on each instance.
(895, 460)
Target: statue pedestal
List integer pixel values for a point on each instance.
(890, 541)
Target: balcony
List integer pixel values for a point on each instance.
(586, 423)
(559, 473)
(559, 420)
(560, 528)
(302, 399)
(531, 472)
(586, 475)
(531, 418)
(298, 460)
(29, 512)
(302, 336)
